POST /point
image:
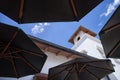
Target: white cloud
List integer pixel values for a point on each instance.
(40, 24)
(111, 8)
(100, 24)
(116, 2)
(39, 28)
(46, 24)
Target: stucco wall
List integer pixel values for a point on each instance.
(52, 61)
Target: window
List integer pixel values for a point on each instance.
(78, 38)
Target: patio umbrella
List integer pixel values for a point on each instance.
(19, 56)
(29, 11)
(81, 69)
(109, 35)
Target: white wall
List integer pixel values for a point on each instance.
(89, 44)
(53, 60)
(116, 63)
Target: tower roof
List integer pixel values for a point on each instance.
(81, 28)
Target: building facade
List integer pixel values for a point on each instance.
(56, 56)
(84, 41)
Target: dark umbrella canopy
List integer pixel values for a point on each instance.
(81, 69)
(19, 56)
(28, 11)
(110, 35)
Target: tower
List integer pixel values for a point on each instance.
(84, 41)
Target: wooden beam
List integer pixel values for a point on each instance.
(46, 48)
(68, 56)
(58, 53)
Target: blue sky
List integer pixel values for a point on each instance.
(60, 32)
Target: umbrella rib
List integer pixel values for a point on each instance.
(111, 28)
(82, 67)
(34, 53)
(6, 56)
(100, 67)
(68, 73)
(77, 71)
(92, 74)
(14, 52)
(13, 63)
(30, 65)
(74, 9)
(55, 75)
(21, 9)
(94, 61)
(13, 37)
(114, 48)
(62, 66)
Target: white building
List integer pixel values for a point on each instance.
(84, 41)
